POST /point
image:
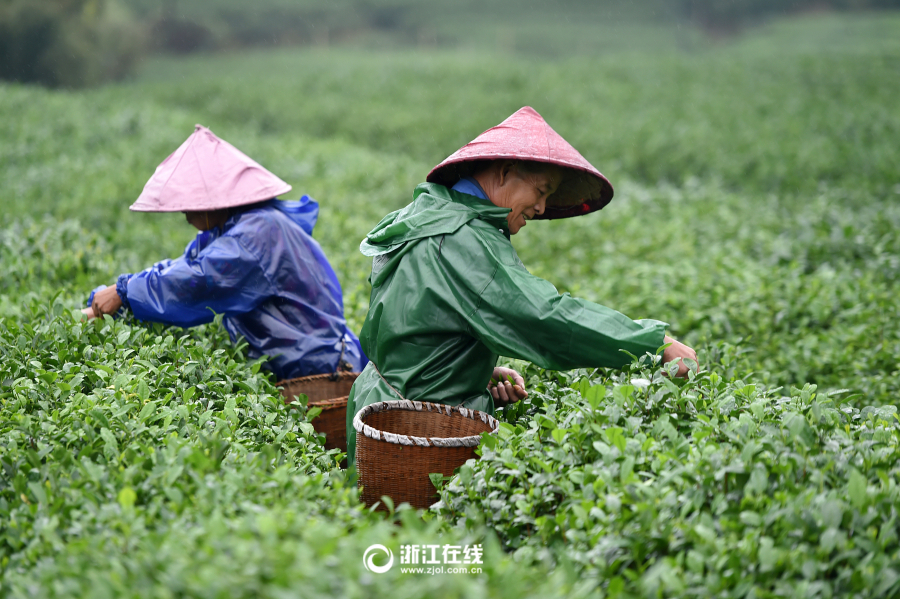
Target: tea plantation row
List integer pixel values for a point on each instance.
(706, 488)
(144, 462)
(756, 211)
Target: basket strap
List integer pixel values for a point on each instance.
(387, 383)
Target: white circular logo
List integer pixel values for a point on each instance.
(369, 559)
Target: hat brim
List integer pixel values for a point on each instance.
(581, 192)
(203, 204)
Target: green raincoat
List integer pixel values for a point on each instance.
(449, 295)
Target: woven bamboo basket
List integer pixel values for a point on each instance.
(399, 443)
(328, 392)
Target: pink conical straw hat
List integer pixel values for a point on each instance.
(207, 173)
(526, 136)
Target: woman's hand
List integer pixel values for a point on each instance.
(679, 350)
(106, 301)
(504, 391)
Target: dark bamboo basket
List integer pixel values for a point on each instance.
(399, 443)
(328, 392)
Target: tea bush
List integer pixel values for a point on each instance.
(146, 462)
(697, 488)
(86, 406)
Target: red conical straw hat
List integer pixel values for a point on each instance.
(207, 173)
(526, 136)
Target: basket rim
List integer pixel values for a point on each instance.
(316, 378)
(333, 403)
(419, 406)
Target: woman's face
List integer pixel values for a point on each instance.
(196, 219)
(206, 220)
(525, 194)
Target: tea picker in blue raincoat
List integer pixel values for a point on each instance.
(254, 261)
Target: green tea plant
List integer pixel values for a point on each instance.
(146, 461)
(41, 257)
(692, 488)
(95, 412)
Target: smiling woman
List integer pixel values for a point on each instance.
(450, 295)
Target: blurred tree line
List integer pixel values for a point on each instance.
(730, 15)
(67, 43)
(71, 43)
(182, 26)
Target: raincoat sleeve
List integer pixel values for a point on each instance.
(519, 315)
(224, 278)
(121, 282)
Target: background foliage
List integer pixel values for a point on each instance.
(67, 43)
(78, 43)
(756, 211)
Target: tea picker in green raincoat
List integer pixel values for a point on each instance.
(450, 295)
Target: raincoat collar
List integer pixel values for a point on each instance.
(435, 210)
(471, 186)
(303, 212)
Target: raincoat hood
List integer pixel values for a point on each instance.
(304, 212)
(435, 210)
(207, 173)
(526, 136)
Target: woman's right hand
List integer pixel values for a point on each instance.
(106, 301)
(507, 386)
(678, 350)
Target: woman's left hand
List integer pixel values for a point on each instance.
(106, 301)
(504, 391)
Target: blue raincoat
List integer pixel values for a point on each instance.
(268, 277)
